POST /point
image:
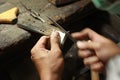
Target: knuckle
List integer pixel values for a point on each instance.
(81, 55)
(97, 67)
(57, 51)
(87, 29)
(98, 46)
(32, 51)
(84, 54)
(86, 62)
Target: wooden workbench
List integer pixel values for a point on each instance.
(15, 43)
(12, 34)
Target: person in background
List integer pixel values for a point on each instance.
(98, 52)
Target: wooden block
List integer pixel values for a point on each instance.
(8, 13)
(9, 16)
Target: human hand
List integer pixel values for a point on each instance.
(97, 50)
(49, 62)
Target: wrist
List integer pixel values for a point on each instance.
(50, 77)
(47, 75)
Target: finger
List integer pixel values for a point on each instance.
(91, 60)
(99, 66)
(87, 45)
(85, 53)
(41, 44)
(82, 34)
(55, 40)
(85, 34)
(77, 36)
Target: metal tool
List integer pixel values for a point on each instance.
(56, 24)
(65, 37)
(59, 26)
(62, 2)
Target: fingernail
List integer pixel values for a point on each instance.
(89, 41)
(54, 34)
(80, 44)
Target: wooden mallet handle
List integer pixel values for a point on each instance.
(9, 15)
(94, 75)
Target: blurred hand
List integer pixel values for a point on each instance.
(95, 49)
(49, 62)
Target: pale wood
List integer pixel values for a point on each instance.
(9, 15)
(94, 75)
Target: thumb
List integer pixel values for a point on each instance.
(55, 40)
(86, 45)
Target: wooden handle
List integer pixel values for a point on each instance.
(9, 15)
(94, 75)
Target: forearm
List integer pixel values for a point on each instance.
(46, 73)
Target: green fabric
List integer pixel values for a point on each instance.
(110, 7)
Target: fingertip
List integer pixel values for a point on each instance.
(55, 40)
(77, 36)
(74, 34)
(80, 44)
(54, 35)
(42, 38)
(85, 53)
(99, 67)
(41, 43)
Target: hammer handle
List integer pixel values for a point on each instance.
(94, 75)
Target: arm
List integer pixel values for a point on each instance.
(97, 51)
(49, 62)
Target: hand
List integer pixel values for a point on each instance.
(49, 62)
(97, 51)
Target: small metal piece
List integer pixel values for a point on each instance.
(37, 16)
(33, 13)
